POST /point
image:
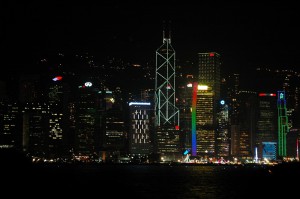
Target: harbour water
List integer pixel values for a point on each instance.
(157, 181)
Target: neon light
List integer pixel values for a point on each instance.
(267, 94)
(88, 84)
(194, 102)
(256, 155)
(211, 54)
(139, 103)
(186, 151)
(283, 127)
(57, 78)
(297, 146)
(222, 102)
(202, 87)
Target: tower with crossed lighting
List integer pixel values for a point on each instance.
(166, 112)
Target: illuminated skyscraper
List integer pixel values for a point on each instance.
(207, 102)
(266, 121)
(209, 72)
(166, 112)
(283, 127)
(139, 141)
(222, 135)
(205, 122)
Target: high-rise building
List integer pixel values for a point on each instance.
(283, 127)
(207, 102)
(267, 120)
(166, 112)
(87, 120)
(139, 132)
(246, 122)
(10, 132)
(222, 133)
(205, 129)
(209, 72)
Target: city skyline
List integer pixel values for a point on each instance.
(246, 35)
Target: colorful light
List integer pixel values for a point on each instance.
(194, 102)
(57, 78)
(267, 95)
(211, 54)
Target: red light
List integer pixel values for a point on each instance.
(211, 54)
(177, 127)
(57, 78)
(267, 94)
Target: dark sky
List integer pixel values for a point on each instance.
(245, 34)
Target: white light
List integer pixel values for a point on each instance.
(202, 87)
(88, 84)
(189, 85)
(139, 103)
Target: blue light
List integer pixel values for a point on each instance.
(222, 102)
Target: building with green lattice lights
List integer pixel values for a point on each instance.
(282, 124)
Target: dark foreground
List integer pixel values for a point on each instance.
(148, 181)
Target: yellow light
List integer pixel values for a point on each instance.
(202, 87)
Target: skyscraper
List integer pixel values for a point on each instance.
(139, 134)
(283, 127)
(207, 102)
(166, 112)
(266, 121)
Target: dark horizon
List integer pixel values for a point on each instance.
(247, 35)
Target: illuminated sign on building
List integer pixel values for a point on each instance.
(267, 95)
(269, 150)
(222, 102)
(202, 87)
(139, 103)
(190, 85)
(57, 78)
(88, 84)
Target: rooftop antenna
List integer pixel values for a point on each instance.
(166, 31)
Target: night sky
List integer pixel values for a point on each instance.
(245, 34)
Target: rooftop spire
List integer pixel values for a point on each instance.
(167, 31)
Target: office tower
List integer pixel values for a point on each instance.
(230, 88)
(166, 112)
(185, 93)
(266, 121)
(222, 132)
(10, 136)
(209, 72)
(139, 132)
(205, 129)
(207, 102)
(87, 120)
(115, 138)
(283, 127)
(56, 116)
(230, 92)
(36, 129)
(246, 122)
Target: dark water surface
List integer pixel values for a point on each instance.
(22, 179)
(154, 181)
